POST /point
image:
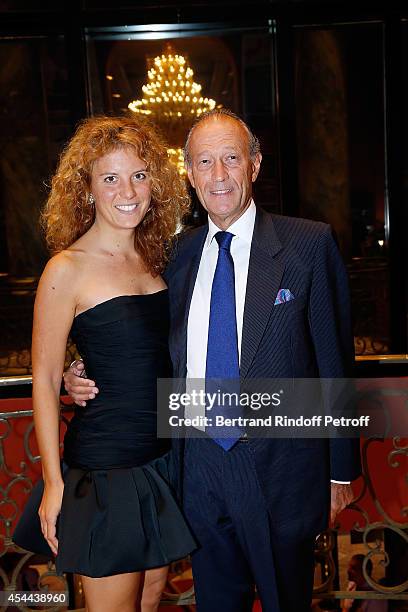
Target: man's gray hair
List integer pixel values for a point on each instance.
(253, 142)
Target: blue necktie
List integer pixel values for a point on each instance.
(222, 347)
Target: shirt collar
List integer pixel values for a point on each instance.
(243, 228)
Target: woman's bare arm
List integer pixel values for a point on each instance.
(54, 311)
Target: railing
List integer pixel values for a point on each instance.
(368, 516)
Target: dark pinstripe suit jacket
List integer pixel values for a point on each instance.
(309, 336)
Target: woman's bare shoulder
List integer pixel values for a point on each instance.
(61, 271)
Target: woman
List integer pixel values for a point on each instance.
(113, 210)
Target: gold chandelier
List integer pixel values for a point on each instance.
(173, 99)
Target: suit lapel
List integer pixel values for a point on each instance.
(266, 266)
(186, 278)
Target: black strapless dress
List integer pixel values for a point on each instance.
(118, 513)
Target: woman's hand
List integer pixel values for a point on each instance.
(48, 512)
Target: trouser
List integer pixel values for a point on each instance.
(240, 546)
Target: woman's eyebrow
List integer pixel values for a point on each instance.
(112, 173)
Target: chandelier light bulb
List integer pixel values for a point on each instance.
(171, 99)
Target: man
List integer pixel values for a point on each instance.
(358, 582)
(254, 295)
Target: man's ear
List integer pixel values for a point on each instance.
(190, 176)
(256, 166)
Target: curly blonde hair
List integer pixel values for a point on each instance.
(68, 213)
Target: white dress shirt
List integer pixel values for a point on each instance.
(199, 314)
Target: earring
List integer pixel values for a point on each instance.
(91, 199)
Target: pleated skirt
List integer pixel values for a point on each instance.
(112, 521)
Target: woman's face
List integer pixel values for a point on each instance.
(121, 187)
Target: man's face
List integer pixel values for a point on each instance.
(221, 170)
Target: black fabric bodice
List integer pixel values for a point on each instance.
(124, 345)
